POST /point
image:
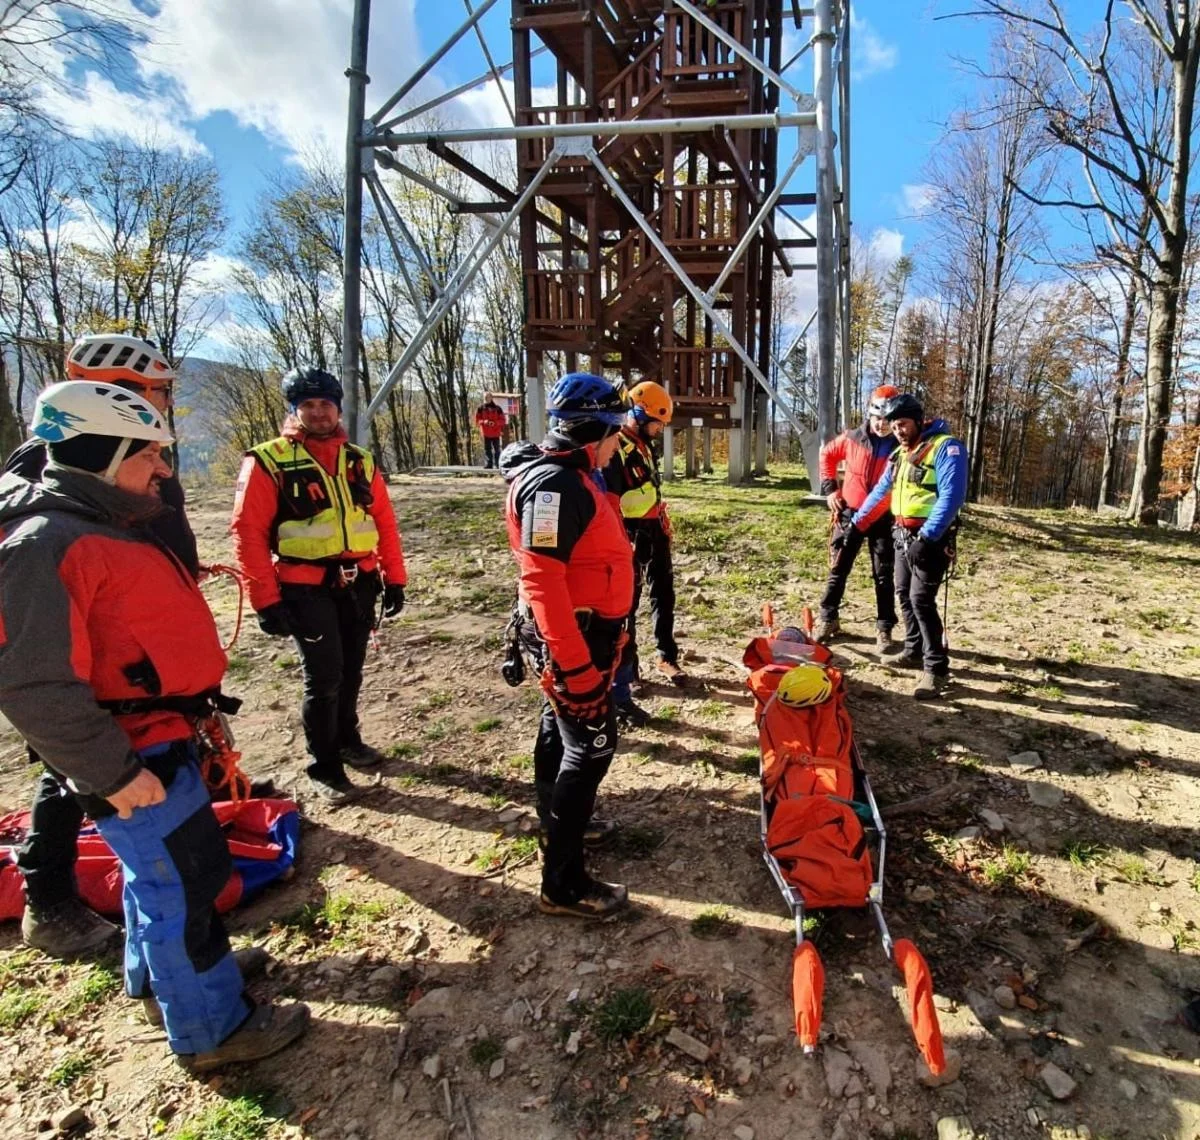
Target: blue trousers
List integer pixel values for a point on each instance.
(175, 862)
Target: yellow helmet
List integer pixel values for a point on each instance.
(805, 685)
(654, 400)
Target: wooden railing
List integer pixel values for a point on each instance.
(628, 95)
(558, 298)
(704, 375)
(626, 260)
(691, 51)
(532, 152)
(700, 217)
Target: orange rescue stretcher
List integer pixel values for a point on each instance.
(823, 838)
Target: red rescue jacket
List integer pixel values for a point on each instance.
(490, 419)
(256, 509)
(866, 458)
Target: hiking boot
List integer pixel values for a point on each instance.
(361, 755)
(672, 672)
(930, 686)
(906, 661)
(252, 961)
(333, 793)
(630, 715)
(883, 642)
(598, 900)
(268, 1029)
(67, 929)
(597, 833)
(893, 648)
(825, 629)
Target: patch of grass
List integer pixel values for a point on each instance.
(18, 1005)
(238, 668)
(497, 800)
(667, 711)
(488, 723)
(1049, 692)
(638, 842)
(711, 710)
(747, 763)
(739, 1004)
(402, 750)
(287, 661)
(500, 854)
(96, 986)
(67, 1071)
(484, 1051)
(444, 770)
(439, 729)
(1194, 881)
(241, 1118)
(1184, 939)
(344, 920)
(523, 846)
(714, 922)
(1008, 869)
(1134, 869)
(623, 1014)
(1081, 853)
(521, 762)
(435, 701)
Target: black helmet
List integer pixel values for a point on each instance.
(904, 407)
(311, 384)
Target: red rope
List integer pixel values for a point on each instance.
(217, 570)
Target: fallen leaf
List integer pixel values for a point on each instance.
(689, 999)
(700, 1104)
(623, 1084)
(308, 1114)
(1026, 1002)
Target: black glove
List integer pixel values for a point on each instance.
(275, 620)
(845, 519)
(922, 553)
(393, 599)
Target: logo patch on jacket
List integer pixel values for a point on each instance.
(545, 518)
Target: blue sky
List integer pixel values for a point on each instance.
(256, 83)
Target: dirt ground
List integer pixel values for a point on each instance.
(1064, 884)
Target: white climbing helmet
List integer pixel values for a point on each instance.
(113, 358)
(79, 407)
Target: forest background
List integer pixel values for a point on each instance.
(1047, 314)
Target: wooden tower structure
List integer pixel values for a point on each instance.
(650, 136)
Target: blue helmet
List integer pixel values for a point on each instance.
(580, 396)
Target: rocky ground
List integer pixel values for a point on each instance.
(1052, 881)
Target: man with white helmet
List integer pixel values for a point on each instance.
(55, 920)
(106, 644)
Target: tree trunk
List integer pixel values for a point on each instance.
(10, 429)
(1112, 440)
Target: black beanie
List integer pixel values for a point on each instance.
(91, 452)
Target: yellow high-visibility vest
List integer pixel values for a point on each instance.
(320, 516)
(914, 485)
(644, 494)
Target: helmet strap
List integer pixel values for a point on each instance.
(109, 474)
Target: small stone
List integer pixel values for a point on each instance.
(1129, 1089)
(785, 1088)
(437, 1003)
(588, 968)
(1059, 1084)
(922, 894)
(67, 1119)
(1123, 801)
(955, 1128)
(688, 1044)
(874, 1063)
(1004, 997)
(399, 1091)
(385, 976)
(743, 1070)
(854, 1087)
(744, 1132)
(838, 1069)
(497, 1069)
(948, 1076)
(515, 1044)
(766, 1040)
(432, 1066)
(509, 814)
(992, 820)
(1045, 795)
(967, 834)
(1025, 761)
(694, 1123)
(573, 1042)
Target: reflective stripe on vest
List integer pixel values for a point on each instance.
(914, 486)
(339, 527)
(641, 499)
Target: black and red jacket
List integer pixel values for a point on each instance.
(569, 543)
(866, 457)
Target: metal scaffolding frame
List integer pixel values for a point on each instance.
(818, 124)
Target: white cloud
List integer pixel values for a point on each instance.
(885, 245)
(917, 198)
(869, 52)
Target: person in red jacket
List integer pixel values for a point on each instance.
(865, 452)
(490, 420)
(576, 581)
(108, 652)
(315, 536)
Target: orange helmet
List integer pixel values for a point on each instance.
(653, 401)
(114, 358)
(880, 397)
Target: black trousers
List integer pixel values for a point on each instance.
(47, 857)
(844, 548)
(570, 758)
(333, 627)
(652, 568)
(917, 588)
(491, 451)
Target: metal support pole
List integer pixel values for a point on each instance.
(668, 456)
(487, 54)
(384, 208)
(460, 280)
(844, 208)
(823, 39)
(353, 203)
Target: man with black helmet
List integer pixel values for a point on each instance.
(316, 538)
(924, 486)
(576, 580)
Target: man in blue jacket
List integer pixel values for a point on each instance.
(924, 486)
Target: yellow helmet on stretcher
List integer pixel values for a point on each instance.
(804, 685)
(654, 401)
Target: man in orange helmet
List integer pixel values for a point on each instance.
(865, 451)
(635, 486)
